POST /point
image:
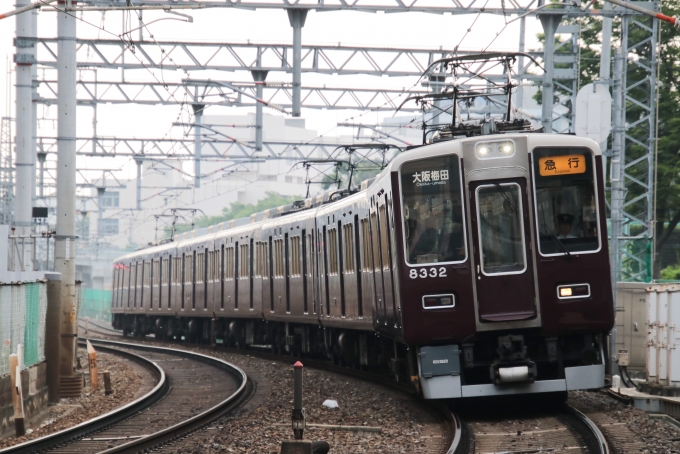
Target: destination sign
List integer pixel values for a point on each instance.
(562, 165)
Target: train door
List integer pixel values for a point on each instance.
(377, 269)
(504, 271)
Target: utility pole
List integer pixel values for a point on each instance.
(550, 23)
(65, 247)
(258, 76)
(24, 60)
(198, 114)
(297, 21)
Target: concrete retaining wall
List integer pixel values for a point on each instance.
(34, 387)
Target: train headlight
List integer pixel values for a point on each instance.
(507, 148)
(565, 292)
(492, 150)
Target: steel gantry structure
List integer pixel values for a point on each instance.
(632, 150)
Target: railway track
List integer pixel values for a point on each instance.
(192, 390)
(526, 426)
(452, 427)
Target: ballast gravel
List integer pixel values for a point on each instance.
(627, 429)
(128, 381)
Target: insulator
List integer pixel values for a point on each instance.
(523, 112)
(276, 83)
(276, 107)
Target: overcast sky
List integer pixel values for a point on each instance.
(234, 25)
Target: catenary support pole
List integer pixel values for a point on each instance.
(24, 165)
(258, 76)
(139, 182)
(605, 72)
(297, 21)
(65, 247)
(198, 114)
(617, 187)
(550, 23)
(41, 186)
(519, 97)
(52, 335)
(34, 105)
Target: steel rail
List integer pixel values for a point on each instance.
(603, 446)
(71, 434)
(195, 422)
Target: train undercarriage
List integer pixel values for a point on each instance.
(494, 363)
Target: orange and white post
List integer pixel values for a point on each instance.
(94, 377)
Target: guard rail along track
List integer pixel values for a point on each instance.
(139, 424)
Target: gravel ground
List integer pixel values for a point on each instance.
(627, 429)
(408, 426)
(127, 380)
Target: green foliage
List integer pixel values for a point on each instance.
(237, 210)
(671, 273)
(667, 122)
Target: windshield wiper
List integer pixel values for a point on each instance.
(560, 245)
(505, 196)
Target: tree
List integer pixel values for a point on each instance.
(668, 121)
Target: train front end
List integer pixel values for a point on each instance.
(504, 279)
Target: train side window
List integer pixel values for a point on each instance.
(375, 241)
(132, 267)
(325, 272)
(220, 275)
(244, 268)
(271, 274)
(287, 270)
(332, 252)
(432, 211)
(251, 271)
(236, 272)
(304, 271)
(341, 266)
(229, 264)
(211, 265)
(357, 250)
(295, 257)
(365, 245)
(348, 246)
(278, 258)
(199, 268)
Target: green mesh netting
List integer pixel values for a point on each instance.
(31, 337)
(96, 304)
(23, 309)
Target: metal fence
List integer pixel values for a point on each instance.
(22, 321)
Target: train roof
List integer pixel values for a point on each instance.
(456, 146)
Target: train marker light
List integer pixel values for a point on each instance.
(438, 301)
(565, 292)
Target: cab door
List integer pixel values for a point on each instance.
(504, 271)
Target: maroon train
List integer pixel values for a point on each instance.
(469, 267)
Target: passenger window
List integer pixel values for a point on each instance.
(348, 246)
(499, 209)
(432, 211)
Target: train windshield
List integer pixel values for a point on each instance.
(499, 207)
(432, 211)
(566, 200)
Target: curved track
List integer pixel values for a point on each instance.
(530, 426)
(453, 427)
(192, 390)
